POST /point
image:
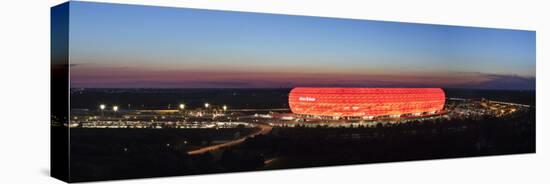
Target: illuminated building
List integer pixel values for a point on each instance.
(365, 102)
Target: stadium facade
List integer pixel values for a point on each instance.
(366, 103)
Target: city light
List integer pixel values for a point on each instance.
(224, 107)
(102, 106)
(115, 108)
(182, 106)
(206, 105)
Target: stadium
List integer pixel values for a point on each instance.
(365, 103)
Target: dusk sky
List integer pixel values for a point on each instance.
(126, 46)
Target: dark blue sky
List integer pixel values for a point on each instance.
(115, 45)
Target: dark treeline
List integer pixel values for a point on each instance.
(193, 98)
(526, 97)
(238, 98)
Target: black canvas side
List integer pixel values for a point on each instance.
(59, 85)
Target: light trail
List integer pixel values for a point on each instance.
(264, 129)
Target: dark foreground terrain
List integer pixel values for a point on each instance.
(306, 147)
(100, 154)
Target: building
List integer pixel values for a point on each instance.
(366, 103)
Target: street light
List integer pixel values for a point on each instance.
(206, 105)
(115, 108)
(182, 106)
(102, 107)
(224, 107)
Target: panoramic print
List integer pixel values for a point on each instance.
(145, 91)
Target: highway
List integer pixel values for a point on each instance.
(264, 129)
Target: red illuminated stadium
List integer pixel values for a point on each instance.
(365, 102)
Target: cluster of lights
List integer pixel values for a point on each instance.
(207, 105)
(103, 106)
(181, 106)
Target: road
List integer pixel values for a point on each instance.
(264, 129)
